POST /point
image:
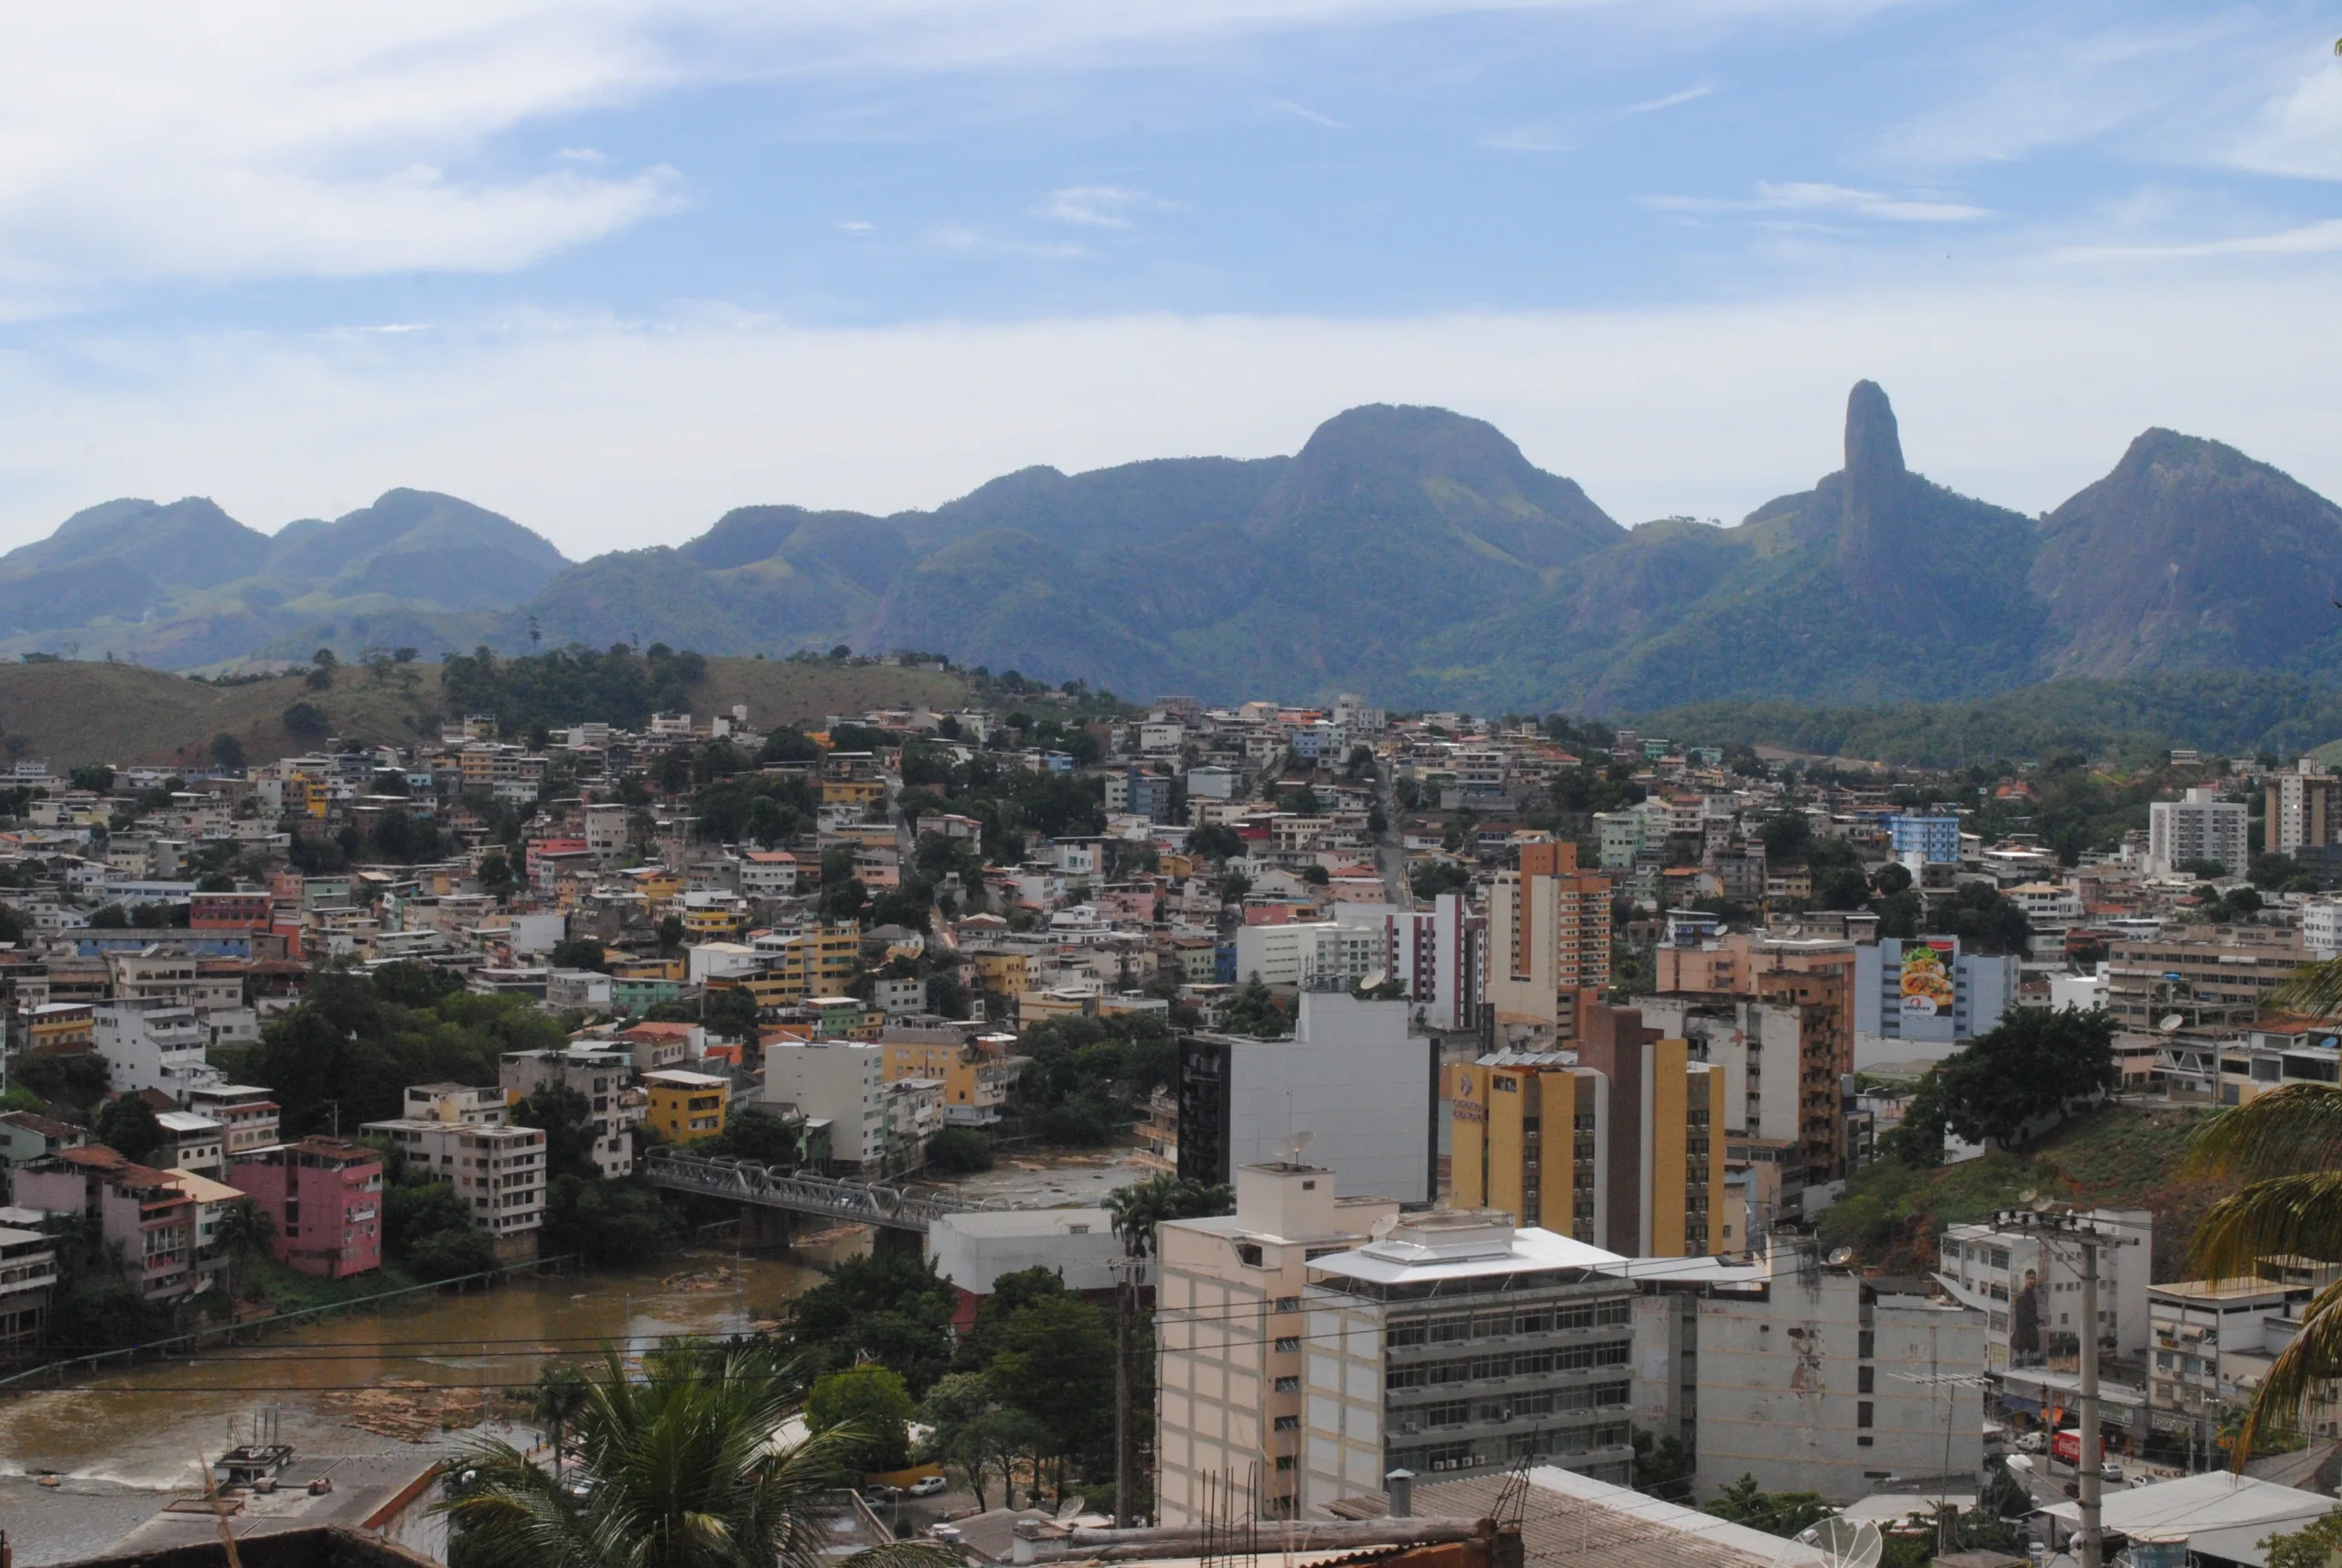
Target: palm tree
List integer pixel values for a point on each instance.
(243, 1231)
(1138, 1210)
(555, 1398)
(2286, 1145)
(682, 1468)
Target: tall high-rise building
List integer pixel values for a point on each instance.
(1548, 944)
(1619, 1143)
(1438, 956)
(2304, 808)
(2198, 826)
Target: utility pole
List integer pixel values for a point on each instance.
(1125, 1326)
(2085, 1233)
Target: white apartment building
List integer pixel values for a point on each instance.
(2211, 1342)
(841, 1082)
(1229, 1328)
(598, 1075)
(1455, 1343)
(2198, 826)
(192, 1143)
(2321, 927)
(768, 874)
(1810, 1379)
(2028, 1286)
(1307, 951)
(497, 1172)
(153, 1045)
(247, 1114)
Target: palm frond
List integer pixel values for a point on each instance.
(2314, 989)
(2296, 1128)
(2315, 1356)
(2290, 1214)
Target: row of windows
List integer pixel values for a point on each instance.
(1518, 1364)
(1452, 1327)
(1514, 1407)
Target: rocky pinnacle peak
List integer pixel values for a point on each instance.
(1874, 445)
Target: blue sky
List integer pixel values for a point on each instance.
(613, 268)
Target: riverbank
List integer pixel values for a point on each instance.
(121, 1441)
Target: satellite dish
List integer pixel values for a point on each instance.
(1835, 1544)
(2171, 1021)
(2028, 1196)
(1301, 1142)
(1383, 1227)
(1841, 1257)
(1070, 1509)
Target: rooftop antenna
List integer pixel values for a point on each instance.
(1834, 1543)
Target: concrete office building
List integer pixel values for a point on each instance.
(1350, 1076)
(1810, 1378)
(2198, 826)
(1228, 1329)
(1785, 1056)
(2028, 1287)
(1922, 999)
(1438, 956)
(1305, 952)
(1455, 1343)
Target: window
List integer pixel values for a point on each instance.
(1289, 1342)
(1863, 1412)
(1866, 1344)
(1289, 1384)
(1288, 1304)
(1249, 1255)
(1865, 1380)
(1288, 1423)
(1285, 1461)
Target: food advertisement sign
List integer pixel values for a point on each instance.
(1927, 978)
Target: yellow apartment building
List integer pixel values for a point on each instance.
(687, 1106)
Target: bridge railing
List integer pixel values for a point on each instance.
(873, 1202)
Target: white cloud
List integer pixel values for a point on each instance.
(1095, 206)
(1808, 196)
(1670, 99)
(1301, 111)
(607, 435)
(2322, 237)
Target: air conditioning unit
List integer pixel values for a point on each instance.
(1410, 1428)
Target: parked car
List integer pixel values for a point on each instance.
(2030, 1442)
(927, 1485)
(2107, 1470)
(881, 1494)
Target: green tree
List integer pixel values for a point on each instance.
(677, 1469)
(1430, 878)
(2316, 1544)
(870, 1401)
(894, 1310)
(1055, 1362)
(243, 1233)
(1783, 1514)
(730, 1011)
(1138, 1211)
(128, 1125)
(578, 953)
(227, 752)
(556, 1400)
(959, 1151)
(2033, 1063)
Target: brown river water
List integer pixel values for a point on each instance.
(122, 1442)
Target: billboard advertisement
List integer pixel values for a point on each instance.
(1927, 989)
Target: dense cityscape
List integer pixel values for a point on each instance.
(1655, 1062)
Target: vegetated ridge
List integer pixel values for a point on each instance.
(89, 711)
(1412, 554)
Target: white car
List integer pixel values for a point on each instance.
(926, 1486)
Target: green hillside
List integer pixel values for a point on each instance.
(2125, 1157)
(69, 712)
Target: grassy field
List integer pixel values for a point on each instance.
(71, 713)
(2126, 1156)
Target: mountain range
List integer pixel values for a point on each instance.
(1412, 554)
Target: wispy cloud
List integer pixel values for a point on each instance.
(1301, 111)
(964, 237)
(1096, 206)
(1669, 101)
(1815, 196)
(582, 155)
(2319, 239)
(855, 225)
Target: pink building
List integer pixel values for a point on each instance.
(141, 1209)
(326, 1197)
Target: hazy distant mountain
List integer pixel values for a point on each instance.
(1410, 552)
(186, 585)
